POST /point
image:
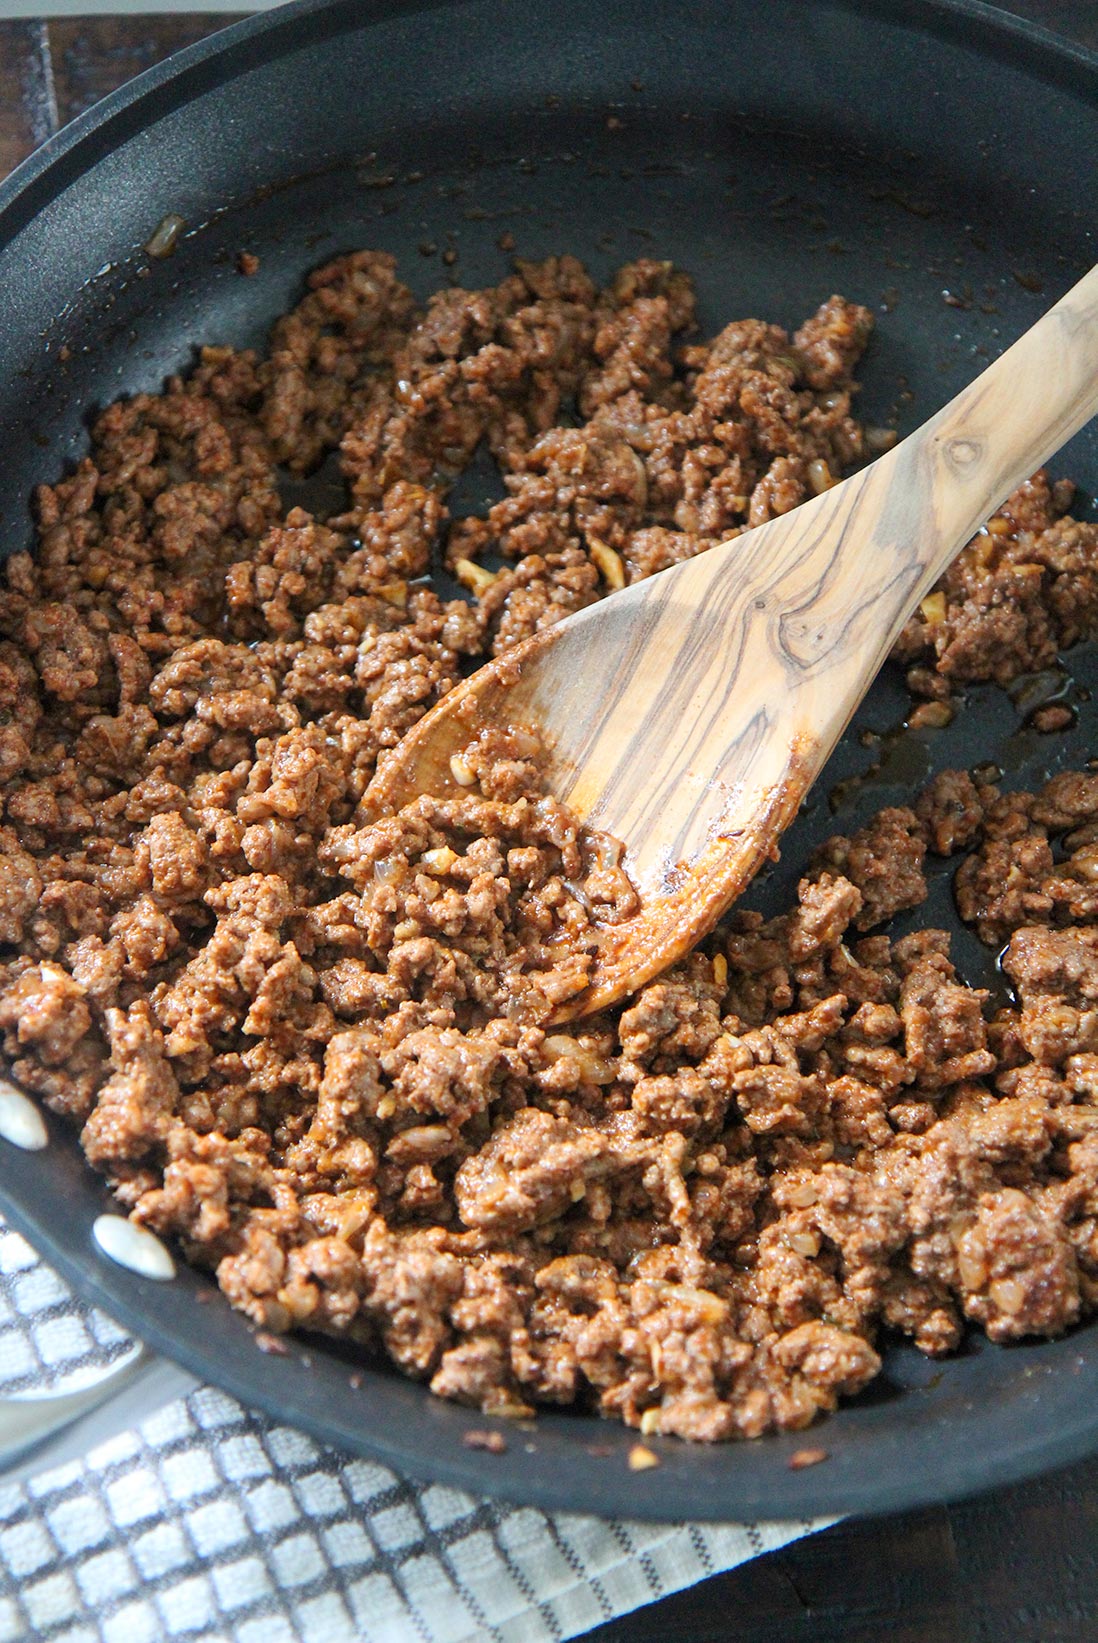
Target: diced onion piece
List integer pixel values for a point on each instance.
(642, 1459)
(395, 593)
(609, 563)
(820, 477)
(1008, 1295)
(473, 576)
(165, 236)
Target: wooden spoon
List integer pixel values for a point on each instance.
(689, 714)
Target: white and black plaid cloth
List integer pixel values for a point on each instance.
(211, 1524)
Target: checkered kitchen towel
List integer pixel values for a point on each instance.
(215, 1525)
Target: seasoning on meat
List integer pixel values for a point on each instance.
(1024, 589)
(310, 1043)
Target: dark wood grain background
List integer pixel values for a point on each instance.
(1017, 1566)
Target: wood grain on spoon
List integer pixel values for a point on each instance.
(689, 714)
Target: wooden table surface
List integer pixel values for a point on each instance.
(1017, 1566)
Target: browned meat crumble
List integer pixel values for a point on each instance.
(1023, 590)
(311, 1046)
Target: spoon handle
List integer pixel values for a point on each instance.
(863, 554)
(1011, 419)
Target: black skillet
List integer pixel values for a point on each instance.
(929, 157)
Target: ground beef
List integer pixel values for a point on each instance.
(310, 1042)
(951, 811)
(1023, 590)
(884, 861)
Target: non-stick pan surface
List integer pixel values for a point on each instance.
(931, 159)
